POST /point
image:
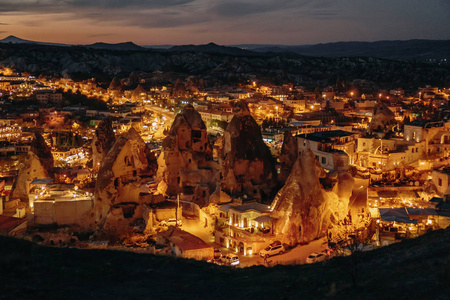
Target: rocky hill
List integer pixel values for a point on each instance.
(421, 50)
(413, 269)
(81, 62)
(128, 46)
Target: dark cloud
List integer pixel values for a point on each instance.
(243, 8)
(64, 6)
(142, 4)
(141, 13)
(256, 19)
(3, 24)
(100, 35)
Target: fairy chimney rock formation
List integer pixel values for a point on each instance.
(115, 84)
(303, 208)
(30, 170)
(118, 182)
(248, 167)
(383, 119)
(37, 164)
(136, 96)
(43, 151)
(185, 162)
(102, 142)
(288, 156)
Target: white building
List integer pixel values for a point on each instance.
(435, 135)
(333, 149)
(60, 204)
(387, 154)
(298, 106)
(441, 180)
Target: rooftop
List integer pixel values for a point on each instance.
(184, 240)
(326, 136)
(252, 206)
(426, 124)
(9, 223)
(399, 215)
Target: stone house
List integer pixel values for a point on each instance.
(333, 149)
(388, 154)
(183, 244)
(436, 136)
(244, 228)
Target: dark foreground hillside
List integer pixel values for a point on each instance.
(414, 269)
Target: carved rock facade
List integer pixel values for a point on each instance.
(117, 190)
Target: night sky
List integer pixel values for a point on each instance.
(294, 22)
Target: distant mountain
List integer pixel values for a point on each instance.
(419, 50)
(211, 48)
(128, 46)
(15, 40)
(159, 47)
(399, 50)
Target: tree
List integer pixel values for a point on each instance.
(317, 93)
(218, 123)
(351, 243)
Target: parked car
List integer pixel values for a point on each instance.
(275, 243)
(272, 249)
(230, 259)
(171, 222)
(362, 172)
(217, 253)
(316, 257)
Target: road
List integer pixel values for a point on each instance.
(296, 255)
(168, 114)
(359, 195)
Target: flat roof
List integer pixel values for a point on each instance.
(42, 181)
(184, 240)
(262, 219)
(252, 206)
(298, 123)
(426, 124)
(325, 136)
(9, 223)
(395, 215)
(420, 211)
